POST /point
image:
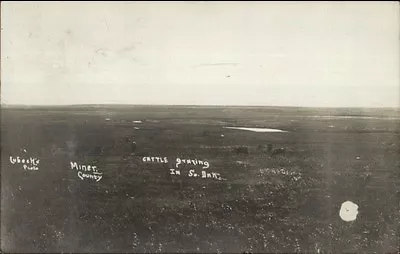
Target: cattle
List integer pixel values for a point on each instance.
(265, 148)
(132, 143)
(133, 147)
(242, 149)
(279, 151)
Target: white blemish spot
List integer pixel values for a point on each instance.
(255, 129)
(358, 157)
(137, 121)
(108, 119)
(136, 128)
(348, 211)
(222, 135)
(331, 126)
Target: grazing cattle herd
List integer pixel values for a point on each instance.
(279, 151)
(263, 149)
(131, 145)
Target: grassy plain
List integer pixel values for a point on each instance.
(283, 203)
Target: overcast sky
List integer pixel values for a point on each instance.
(237, 53)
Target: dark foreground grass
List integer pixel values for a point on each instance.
(286, 203)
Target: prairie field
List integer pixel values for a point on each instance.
(258, 200)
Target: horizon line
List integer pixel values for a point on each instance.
(195, 105)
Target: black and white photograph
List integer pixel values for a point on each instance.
(200, 127)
